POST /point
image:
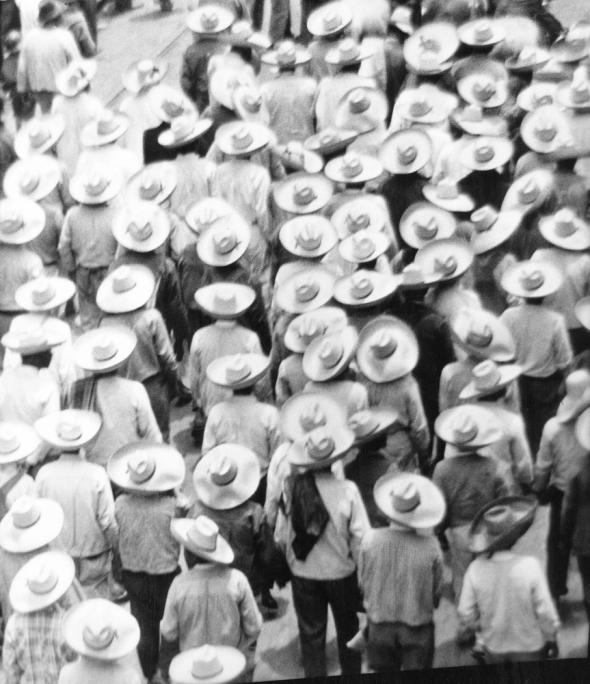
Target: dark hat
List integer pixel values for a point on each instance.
(50, 10)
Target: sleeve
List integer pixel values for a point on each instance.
(468, 610)
(105, 510)
(210, 432)
(173, 309)
(360, 398)
(545, 459)
(282, 389)
(261, 196)
(418, 426)
(521, 455)
(359, 524)
(66, 253)
(162, 344)
(443, 389)
(22, 78)
(194, 365)
(561, 345)
(12, 668)
(439, 480)
(274, 485)
(169, 628)
(250, 617)
(569, 512)
(543, 603)
(274, 438)
(437, 576)
(147, 425)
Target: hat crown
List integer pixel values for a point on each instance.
(407, 154)
(104, 348)
(328, 135)
(532, 279)
(482, 31)
(145, 68)
(361, 285)
(95, 183)
(173, 106)
(358, 102)
(540, 99)
(41, 578)
(225, 240)
(303, 194)
(309, 328)
(330, 353)
(29, 181)
(483, 152)
(528, 55)
(420, 106)
(237, 369)
(106, 123)
(383, 344)
(426, 227)
(464, 429)
(486, 375)
(565, 222)
(241, 139)
(150, 186)
(69, 431)
(206, 663)
(406, 498)
(331, 20)
(11, 220)
(413, 275)
(251, 101)
(428, 43)
(484, 88)
(447, 188)
(182, 126)
(9, 440)
(308, 237)
(209, 19)
(577, 384)
(223, 471)
(580, 86)
(356, 222)
(140, 468)
(38, 133)
(286, 53)
(363, 423)
(363, 246)
(529, 191)
(499, 519)
(42, 291)
(29, 336)
(98, 636)
(479, 335)
(446, 265)
(203, 533)
(472, 113)
(77, 78)
(352, 166)
(312, 417)
(484, 218)
(306, 289)
(25, 512)
(140, 231)
(545, 130)
(319, 444)
(123, 280)
(348, 49)
(224, 299)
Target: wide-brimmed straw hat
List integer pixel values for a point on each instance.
(249, 105)
(101, 630)
(361, 109)
(105, 129)
(70, 429)
(365, 288)
(485, 87)
(444, 259)
(21, 220)
(532, 279)
(410, 500)
(96, 184)
(169, 103)
(528, 59)
(566, 230)
(468, 427)
(286, 55)
(422, 223)
(328, 356)
(546, 129)
(307, 411)
(238, 371)
(500, 523)
(126, 289)
(34, 177)
(488, 378)
(238, 138)
(405, 151)
(303, 193)
(41, 581)
(401, 18)
(303, 329)
(373, 422)
(492, 228)
(209, 212)
(183, 130)
(387, 350)
(487, 152)
(146, 467)
(30, 524)
(39, 135)
(353, 168)
(18, 441)
(362, 212)
(104, 349)
(27, 336)
(210, 19)
(226, 476)
(225, 242)
(44, 293)
(203, 539)
(575, 94)
(363, 246)
(482, 335)
(207, 665)
(295, 157)
(154, 183)
(429, 49)
(425, 104)
(577, 398)
(329, 19)
(306, 290)
(447, 195)
(539, 93)
(143, 74)
(225, 301)
(475, 120)
(309, 236)
(481, 32)
(75, 77)
(330, 140)
(141, 226)
(528, 192)
(347, 52)
(572, 47)
(320, 448)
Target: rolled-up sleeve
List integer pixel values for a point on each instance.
(359, 522)
(543, 603)
(169, 624)
(147, 426)
(250, 617)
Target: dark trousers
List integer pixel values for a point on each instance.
(311, 599)
(580, 340)
(147, 598)
(395, 646)
(159, 394)
(557, 557)
(539, 399)
(584, 568)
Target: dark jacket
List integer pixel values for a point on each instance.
(575, 516)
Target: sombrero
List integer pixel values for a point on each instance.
(329, 19)
(405, 151)
(126, 289)
(362, 109)
(575, 94)
(307, 411)
(410, 500)
(249, 105)
(422, 223)
(26, 336)
(306, 290)
(205, 213)
(545, 129)
(365, 288)
(566, 230)
(424, 104)
(296, 158)
(362, 212)
(141, 226)
(309, 236)
(430, 48)
(487, 152)
(21, 220)
(532, 279)
(303, 193)
(286, 55)
(225, 241)
(528, 192)
(225, 301)
(18, 441)
(169, 103)
(387, 350)
(363, 246)
(30, 524)
(468, 427)
(347, 52)
(373, 422)
(76, 77)
(444, 259)
(537, 94)
(481, 81)
(474, 120)
(330, 140)
(104, 349)
(146, 467)
(320, 448)
(69, 430)
(105, 129)
(39, 135)
(97, 184)
(571, 48)
(492, 228)
(303, 329)
(143, 74)
(41, 581)
(203, 539)
(207, 665)
(528, 59)
(488, 378)
(353, 168)
(238, 371)
(330, 354)
(210, 19)
(183, 130)
(447, 195)
(481, 32)
(239, 138)
(154, 183)
(33, 177)
(482, 335)
(44, 293)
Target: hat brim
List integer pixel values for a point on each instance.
(90, 137)
(33, 218)
(334, 57)
(386, 419)
(283, 193)
(206, 248)
(81, 195)
(307, 161)
(384, 286)
(568, 410)
(489, 430)
(169, 472)
(295, 406)
(167, 138)
(28, 442)
(577, 242)
(481, 542)
(543, 179)
(299, 458)
(289, 239)
(504, 150)
(44, 531)
(48, 171)
(125, 302)
(225, 19)
(22, 143)
(64, 290)
(361, 205)
(444, 33)
(466, 35)
(89, 67)
(428, 514)
(455, 248)
(302, 56)
(525, 99)
(345, 137)
(232, 660)
(160, 93)
(403, 360)
(23, 600)
(506, 224)
(244, 298)
(371, 169)
(553, 280)
(15, 343)
(315, 24)
(446, 224)
(165, 173)
(516, 65)
(465, 88)
(501, 347)
(312, 365)
(131, 82)
(160, 228)
(258, 364)
(124, 339)
(90, 423)
(508, 374)
(388, 152)
(461, 204)
(346, 248)
(490, 125)
(260, 137)
(332, 319)
(565, 99)
(286, 299)
(222, 554)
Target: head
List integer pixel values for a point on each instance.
(244, 392)
(192, 559)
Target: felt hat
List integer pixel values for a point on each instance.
(566, 230)
(141, 226)
(532, 279)
(41, 581)
(330, 354)
(444, 259)
(365, 288)
(105, 129)
(286, 55)
(303, 329)
(528, 59)
(238, 371)
(309, 236)
(303, 193)
(203, 539)
(353, 168)
(225, 241)
(492, 228)
(154, 183)
(226, 476)
(329, 19)
(169, 103)
(296, 157)
(225, 301)
(360, 213)
(545, 129)
(481, 81)
(347, 52)
(475, 120)
(74, 78)
(306, 290)
(242, 137)
(30, 524)
(487, 152)
(582, 311)
(33, 177)
(146, 467)
(468, 427)
(482, 335)
(528, 192)
(320, 448)
(183, 130)
(104, 349)
(373, 422)
(207, 665)
(96, 185)
(330, 140)
(362, 110)
(363, 246)
(481, 32)
(577, 397)
(101, 630)
(126, 289)
(207, 212)
(430, 48)
(582, 427)
(488, 378)
(39, 135)
(143, 74)
(422, 223)
(307, 411)
(70, 429)
(44, 293)
(26, 336)
(210, 19)
(537, 94)
(21, 220)
(18, 441)
(410, 500)
(387, 350)
(249, 105)
(425, 104)
(405, 151)
(447, 195)
(500, 523)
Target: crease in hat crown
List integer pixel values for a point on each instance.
(68, 430)
(363, 246)
(306, 288)
(320, 444)
(383, 345)
(361, 285)
(237, 369)
(352, 166)
(405, 498)
(223, 471)
(43, 291)
(309, 328)
(312, 417)
(123, 280)
(463, 429)
(486, 375)
(104, 348)
(98, 636)
(203, 533)
(25, 512)
(446, 266)
(308, 237)
(140, 468)
(565, 222)
(150, 186)
(303, 194)
(479, 335)
(484, 218)
(331, 352)
(426, 227)
(363, 423)
(206, 663)
(41, 578)
(531, 279)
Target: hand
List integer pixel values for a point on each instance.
(551, 650)
(479, 654)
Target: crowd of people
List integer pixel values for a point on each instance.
(355, 249)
